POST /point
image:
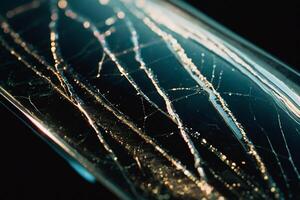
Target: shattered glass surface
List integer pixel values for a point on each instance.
(154, 102)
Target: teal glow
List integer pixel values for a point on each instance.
(82, 171)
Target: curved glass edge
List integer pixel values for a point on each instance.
(62, 148)
(220, 29)
(280, 78)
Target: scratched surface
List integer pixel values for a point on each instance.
(149, 102)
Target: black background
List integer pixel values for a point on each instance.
(32, 170)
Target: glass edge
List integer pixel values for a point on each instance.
(213, 24)
(61, 148)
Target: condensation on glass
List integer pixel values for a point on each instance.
(153, 99)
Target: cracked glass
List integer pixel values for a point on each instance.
(152, 99)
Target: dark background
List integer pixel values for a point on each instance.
(32, 170)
